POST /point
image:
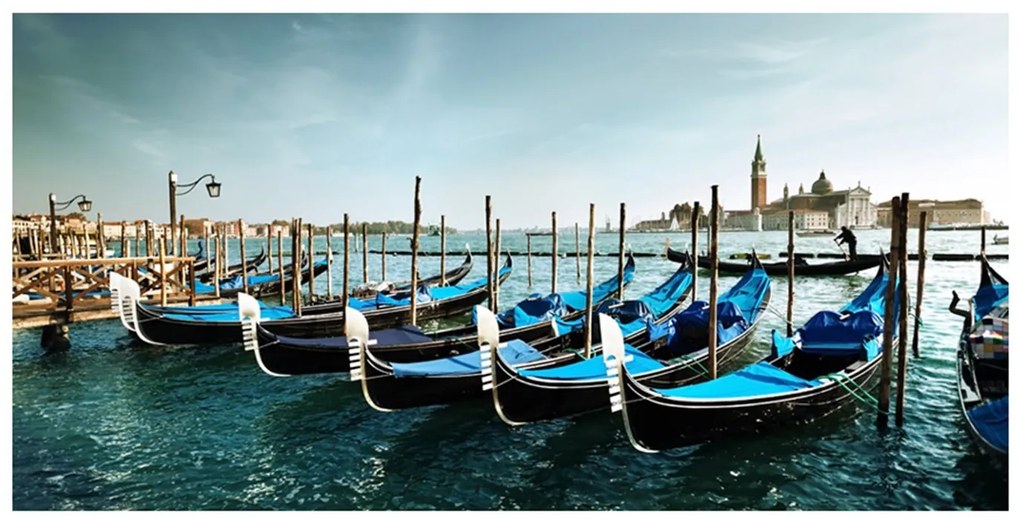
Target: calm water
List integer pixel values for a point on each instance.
(113, 424)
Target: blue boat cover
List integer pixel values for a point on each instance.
(576, 300)
(266, 313)
(594, 368)
(533, 310)
(384, 337)
(989, 297)
(828, 333)
(665, 296)
(424, 295)
(871, 299)
(213, 309)
(515, 352)
(759, 379)
(991, 420)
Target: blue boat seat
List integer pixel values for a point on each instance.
(759, 379)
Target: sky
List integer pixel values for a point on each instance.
(313, 115)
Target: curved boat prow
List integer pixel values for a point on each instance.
(488, 341)
(614, 356)
(249, 314)
(130, 295)
(356, 330)
(116, 302)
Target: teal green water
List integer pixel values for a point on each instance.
(113, 424)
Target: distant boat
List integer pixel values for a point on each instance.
(1000, 240)
(809, 233)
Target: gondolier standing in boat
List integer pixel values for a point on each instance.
(847, 237)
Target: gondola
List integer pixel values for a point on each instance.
(982, 361)
(284, 356)
(673, 352)
(800, 268)
(389, 386)
(158, 328)
(826, 362)
(251, 264)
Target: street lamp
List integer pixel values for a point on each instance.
(84, 205)
(212, 187)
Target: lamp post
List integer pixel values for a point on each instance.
(85, 205)
(212, 187)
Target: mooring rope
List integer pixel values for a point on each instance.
(845, 382)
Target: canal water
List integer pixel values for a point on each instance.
(114, 424)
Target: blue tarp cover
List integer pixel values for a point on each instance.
(759, 379)
(515, 352)
(665, 296)
(533, 310)
(991, 420)
(214, 309)
(576, 300)
(383, 337)
(828, 333)
(594, 368)
(871, 299)
(267, 314)
(989, 297)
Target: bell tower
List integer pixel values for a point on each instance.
(758, 179)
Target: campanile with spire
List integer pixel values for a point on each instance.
(758, 179)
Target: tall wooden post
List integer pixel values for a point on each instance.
(244, 267)
(695, 217)
(329, 262)
(901, 354)
(488, 253)
(414, 251)
(577, 250)
(311, 263)
(590, 286)
(217, 239)
(123, 239)
(383, 250)
(183, 249)
(623, 239)
(208, 252)
(191, 282)
(442, 250)
(347, 264)
(269, 248)
(495, 277)
(162, 271)
(528, 235)
(713, 285)
(100, 237)
(555, 252)
(922, 255)
(789, 275)
(364, 252)
(295, 266)
(983, 231)
(279, 266)
(889, 315)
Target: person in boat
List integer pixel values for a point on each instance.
(847, 237)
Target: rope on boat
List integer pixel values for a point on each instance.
(689, 360)
(846, 382)
(778, 314)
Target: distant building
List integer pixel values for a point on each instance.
(961, 211)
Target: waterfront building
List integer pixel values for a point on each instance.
(961, 211)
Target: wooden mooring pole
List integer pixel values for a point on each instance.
(414, 251)
(713, 285)
(588, 294)
(162, 270)
(217, 239)
(269, 248)
(922, 255)
(555, 252)
(529, 258)
(495, 269)
(695, 217)
(364, 253)
(442, 250)
(123, 239)
(577, 250)
(347, 264)
(244, 266)
(789, 275)
(901, 354)
(383, 266)
(983, 231)
(311, 263)
(329, 263)
(889, 315)
(623, 239)
(279, 265)
(488, 253)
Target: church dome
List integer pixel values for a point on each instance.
(822, 186)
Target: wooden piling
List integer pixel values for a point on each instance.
(123, 239)
(244, 267)
(383, 266)
(983, 239)
(529, 258)
(345, 297)
(208, 252)
(488, 253)
(414, 251)
(713, 285)
(269, 248)
(100, 237)
(495, 278)
(219, 262)
(623, 239)
(329, 263)
(901, 352)
(295, 266)
(364, 252)
(162, 271)
(555, 254)
(695, 216)
(183, 250)
(889, 317)
(590, 285)
(922, 255)
(311, 263)
(789, 275)
(442, 250)
(191, 284)
(279, 265)
(577, 250)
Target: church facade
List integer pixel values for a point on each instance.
(821, 208)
